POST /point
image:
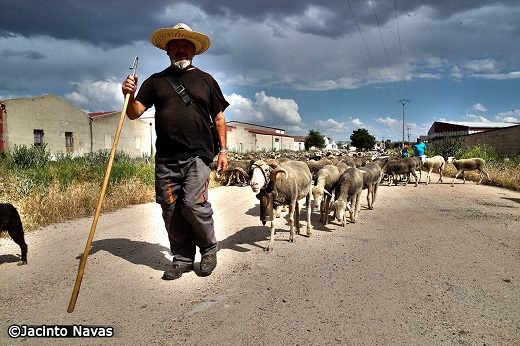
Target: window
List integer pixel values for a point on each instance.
(69, 142)
(38, 138)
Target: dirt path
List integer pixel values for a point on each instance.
(430, 265)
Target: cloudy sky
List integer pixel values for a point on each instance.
(333, 66)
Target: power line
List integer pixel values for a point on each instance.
(366, 45)
(400, 48)
(384, 48)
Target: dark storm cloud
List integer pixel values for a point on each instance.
(99, 22)
(31, 55)
(116, 23)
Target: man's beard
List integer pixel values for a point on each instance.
(181, 64)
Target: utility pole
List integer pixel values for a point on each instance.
(408, 128)
(403, 102)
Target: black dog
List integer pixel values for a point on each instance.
(10, 221)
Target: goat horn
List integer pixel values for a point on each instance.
(280, 171)
(272, 163)
(241, 171)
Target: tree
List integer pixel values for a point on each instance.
(361, 139)
(314, 139)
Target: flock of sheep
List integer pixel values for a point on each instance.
(334, 183)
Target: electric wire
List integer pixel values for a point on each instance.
(400, 49)
(402, 60)
(387, 58)
(384, 48)
(368, 50)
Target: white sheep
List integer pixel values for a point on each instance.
(261, 169)
(260, 172)
(429, 163)
(472, 164)
(288, 183)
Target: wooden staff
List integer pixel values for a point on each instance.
(83, 262)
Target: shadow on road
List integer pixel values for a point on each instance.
(517, 200)
(258, 236)
(137, 252)
(9, 259)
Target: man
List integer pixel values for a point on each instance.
(404, 152)
(418, 148)
(184, 146)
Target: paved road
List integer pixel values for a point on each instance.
(430, 265)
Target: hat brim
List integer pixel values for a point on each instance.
(161, 37)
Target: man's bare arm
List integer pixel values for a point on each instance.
(135, 108)
(220, 125)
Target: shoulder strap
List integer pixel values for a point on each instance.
(181, 91)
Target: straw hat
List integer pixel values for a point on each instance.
(161, 37)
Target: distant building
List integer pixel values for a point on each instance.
(299, 143)
(50, 121)
(330, 144)
(136, 138)
(244, 137)
(454, 129)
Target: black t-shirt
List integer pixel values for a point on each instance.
(181, 131)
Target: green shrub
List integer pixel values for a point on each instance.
(485, 152)
(449, 146)
(34, 157)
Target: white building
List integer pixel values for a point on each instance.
(330, 144)
(60, 126)
(244, 137)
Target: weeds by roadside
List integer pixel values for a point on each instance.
(47, 189)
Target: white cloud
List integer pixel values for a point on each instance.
(77, 98)
(265, 110)
(329, 123)
(498, 76)
(242, 109)
(507, 119)
(357, 122)
(479, 107)
(477, 118)
(437, 76)
(284, 111)
(388, 121)
(511, 116)
(101, 95)
(483, 66)
(330, 127)
(338, 129)
(456, 73)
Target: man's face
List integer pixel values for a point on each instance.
(181, 52)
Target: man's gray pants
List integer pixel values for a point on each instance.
(182, 191)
